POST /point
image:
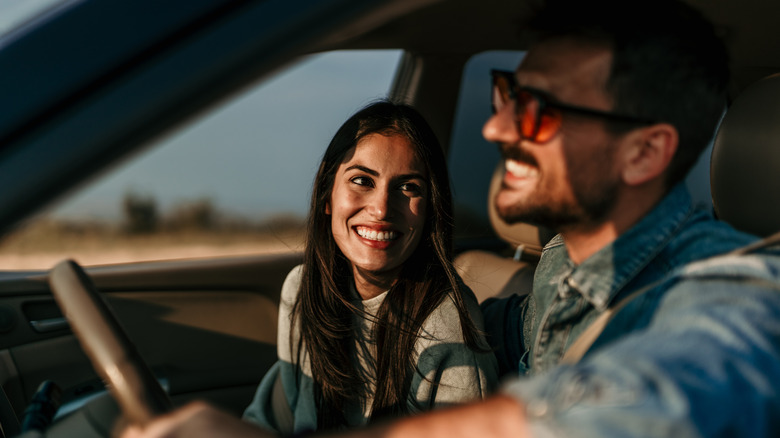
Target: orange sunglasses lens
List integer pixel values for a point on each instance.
(536, 122)
(549, 124)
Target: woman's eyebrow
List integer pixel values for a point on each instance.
(363, 168)
(410, 176)
(373, 172)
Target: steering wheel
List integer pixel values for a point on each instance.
(113, 355)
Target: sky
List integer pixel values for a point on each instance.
(256, 154)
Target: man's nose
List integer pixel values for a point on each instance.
(501, 126)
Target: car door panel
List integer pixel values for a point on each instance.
(207, 328)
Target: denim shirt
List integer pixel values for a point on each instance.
(697, 355)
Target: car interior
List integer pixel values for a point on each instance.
(205, 328)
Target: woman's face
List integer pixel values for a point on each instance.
(377, 206)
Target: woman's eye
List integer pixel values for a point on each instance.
(411, 188)
(362, 181)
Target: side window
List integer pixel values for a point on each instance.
(472, 159)
(231, 183)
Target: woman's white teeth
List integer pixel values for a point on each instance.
(370, 234)
(520, 170)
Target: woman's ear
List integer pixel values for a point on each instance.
(327, 207)
(649, 152)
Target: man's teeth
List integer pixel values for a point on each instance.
(370, 234)
(520, 170)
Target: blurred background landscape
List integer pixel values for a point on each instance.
(190, 229)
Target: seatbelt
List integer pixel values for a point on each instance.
(582, 344)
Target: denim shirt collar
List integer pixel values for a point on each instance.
(600, 277)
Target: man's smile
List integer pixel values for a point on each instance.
(520, 170)
(519, 164)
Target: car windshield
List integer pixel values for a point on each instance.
(14, 13)
(234, 182)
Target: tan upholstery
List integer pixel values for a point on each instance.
(497, 275)
(491, 275)
(746, 158)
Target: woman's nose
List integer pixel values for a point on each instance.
(379, 204)
(501, 126)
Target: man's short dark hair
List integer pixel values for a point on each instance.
(668, 64)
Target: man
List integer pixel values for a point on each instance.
(597, 127)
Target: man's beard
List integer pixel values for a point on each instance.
(593, 206)
(595, 194)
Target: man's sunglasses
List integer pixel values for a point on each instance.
(537, 115)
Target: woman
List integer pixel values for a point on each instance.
(368, 325)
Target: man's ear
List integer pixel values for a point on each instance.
(649, 152)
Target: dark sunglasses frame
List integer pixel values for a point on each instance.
(547, 101)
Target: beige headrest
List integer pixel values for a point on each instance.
(532, 238)
(745, 169)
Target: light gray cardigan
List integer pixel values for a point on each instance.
(453, 372)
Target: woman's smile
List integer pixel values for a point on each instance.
(373, 235)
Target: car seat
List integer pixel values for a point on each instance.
(491, 274)
(745, 157)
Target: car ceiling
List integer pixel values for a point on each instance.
(749, 28)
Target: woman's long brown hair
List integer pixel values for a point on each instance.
(323, 309)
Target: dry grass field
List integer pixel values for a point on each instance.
(43, 244)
